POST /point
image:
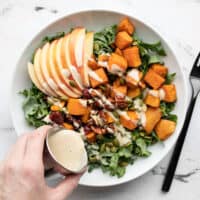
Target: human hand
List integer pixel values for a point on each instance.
(22, 172)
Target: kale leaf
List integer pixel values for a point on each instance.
(150, 53)
(170, 78)
(166, 109)
(35, 107)
(104, 39)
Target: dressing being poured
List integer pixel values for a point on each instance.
(67, 148)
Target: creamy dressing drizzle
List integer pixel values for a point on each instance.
(157, 93)
(77, 76)
(102, 97)
(142, 118)
(125, 115)
(161, 94)
(154, 93)
(123, 136)
(103, 63)
(95, 76)
(134, 74)
(83, 102)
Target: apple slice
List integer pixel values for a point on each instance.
(62, 67)
(53, 70)
(45, 73)
(73, 69)
(76, 45)
(87, 54)
(34, 78)
(39, 76)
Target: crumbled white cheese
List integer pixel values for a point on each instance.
(139, 105)
(122, 135)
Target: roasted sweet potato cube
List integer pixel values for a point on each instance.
(123, 40)
(77, 106)
(68, 126)
(98, 77)
(120, 90)
(108, 118)
(117, 61)
(160, 69)
(91, 137)
(153, 79)
(116, 83)
(133, 77)
(133, 92)
(92, 63)
(153, 116)
(118, 51)
(103, 57)
(126, 25)
(152, 98)
(132, 56)
(170, 93)
(165, 128)
(86, 116)
(142, 84)
(129, 119)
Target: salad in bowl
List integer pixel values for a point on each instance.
(110, 86)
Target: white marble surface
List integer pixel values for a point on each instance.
(177, 19)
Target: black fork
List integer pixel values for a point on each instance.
(194, 75)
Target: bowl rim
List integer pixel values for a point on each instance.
(142, 21)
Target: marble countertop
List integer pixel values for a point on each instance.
(178, 20)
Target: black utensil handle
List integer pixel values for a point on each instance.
(177, 150)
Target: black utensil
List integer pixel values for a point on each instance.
(194, 76)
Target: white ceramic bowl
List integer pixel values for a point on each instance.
(96, 20)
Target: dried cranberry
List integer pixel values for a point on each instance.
(121, 102)
(107, 92)
(102, 114)
(86, 94)
(57, 117)
(87, 129)
(97, 105)
(69, 118)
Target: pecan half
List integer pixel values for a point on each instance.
(98, 130)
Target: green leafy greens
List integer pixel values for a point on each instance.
(104, 39)
(108, 155)
(53, 37)
(166, 109)
(35, 106)
(170, 78)
(150, 53)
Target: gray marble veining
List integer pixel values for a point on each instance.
(20, 19)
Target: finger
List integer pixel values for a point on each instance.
(18, 149)
(35, 146)
(65, 188)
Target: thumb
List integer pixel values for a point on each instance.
(66, 187)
